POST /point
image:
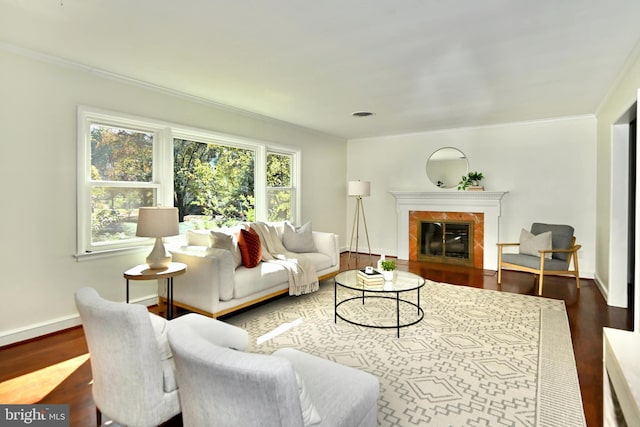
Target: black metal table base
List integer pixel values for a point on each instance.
(169, 310)
(363, 297)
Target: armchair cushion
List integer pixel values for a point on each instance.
(531, 243)
(310, 414)
(160, 328)
(531, 261)
(561, 237)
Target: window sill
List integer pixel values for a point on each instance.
(109, 253)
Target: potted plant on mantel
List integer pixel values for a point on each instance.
(387, 269)
(471, 182)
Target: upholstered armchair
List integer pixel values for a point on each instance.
(224, 387)
(548, 249)
(131, 362)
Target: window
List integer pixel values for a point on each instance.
(280, 189)
(214, 179)
(120, 166)
(213, 183)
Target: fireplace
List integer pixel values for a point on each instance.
(460, 229)
(448, 242)
(480, 206)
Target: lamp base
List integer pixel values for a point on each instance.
(159, 257)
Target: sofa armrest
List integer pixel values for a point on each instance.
(215, 331)
(209, 278)
(327, 243)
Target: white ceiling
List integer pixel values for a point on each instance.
(417, 64)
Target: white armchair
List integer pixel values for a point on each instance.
(223, 387)
(131, 362)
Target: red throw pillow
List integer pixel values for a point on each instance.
(250, 248)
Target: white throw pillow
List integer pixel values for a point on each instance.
(530, 244)
(226, 239)
(197, 237)
(310, 415)
(298, 239)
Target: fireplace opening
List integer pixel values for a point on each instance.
(449, 242)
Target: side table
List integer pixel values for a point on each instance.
(143, 272)
(621, 377)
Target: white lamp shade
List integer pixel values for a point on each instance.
(157, 222)
(359, 188)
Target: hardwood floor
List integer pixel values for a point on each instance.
(55, 368)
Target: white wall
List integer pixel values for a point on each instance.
(547, 167)
(620, 99)
(38, 172)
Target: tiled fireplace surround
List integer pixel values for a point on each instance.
(416, 217)
(482, 207)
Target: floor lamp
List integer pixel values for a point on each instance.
(358, 189)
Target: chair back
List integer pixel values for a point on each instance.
(561, 237)
(224, 387)
(125, 361)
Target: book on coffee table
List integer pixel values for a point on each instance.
(373, 278)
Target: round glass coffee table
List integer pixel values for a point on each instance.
(389, 290)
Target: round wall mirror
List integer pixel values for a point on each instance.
(446, 166)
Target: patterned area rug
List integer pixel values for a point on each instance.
(478, 358)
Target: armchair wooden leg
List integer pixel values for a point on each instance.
(540, 283)
(98, 417)
(575, 264)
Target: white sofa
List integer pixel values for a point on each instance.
(214, 286)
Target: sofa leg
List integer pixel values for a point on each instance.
(98, 417)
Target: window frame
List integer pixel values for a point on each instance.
(160, 180)
(162, 170)
(295, 155)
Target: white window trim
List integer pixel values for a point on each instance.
(259, 147)
(164, 134)
(296, 161)
(162, 176)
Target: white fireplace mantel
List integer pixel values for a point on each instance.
(487, 202)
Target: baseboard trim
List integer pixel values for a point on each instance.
(604, 291)
(36, 330)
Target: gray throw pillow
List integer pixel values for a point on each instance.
(530, 243)
(298, 239)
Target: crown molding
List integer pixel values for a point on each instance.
(63, 62)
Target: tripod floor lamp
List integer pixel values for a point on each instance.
(358, 189)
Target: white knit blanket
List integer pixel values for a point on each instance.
(303, 277)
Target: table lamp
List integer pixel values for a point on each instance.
(158, 222)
